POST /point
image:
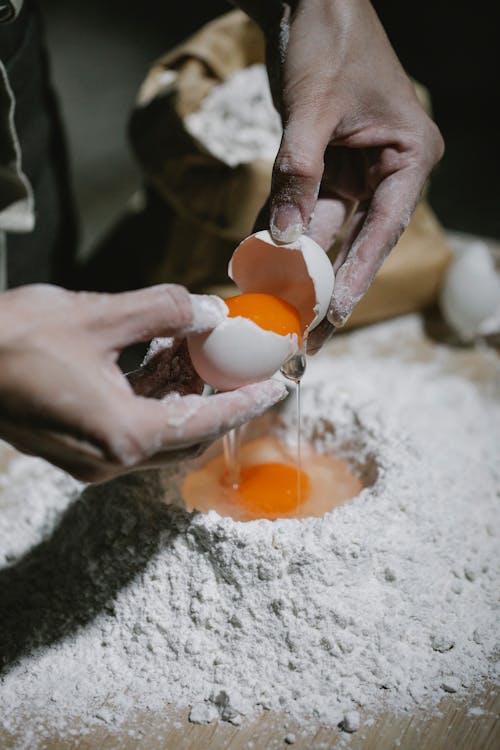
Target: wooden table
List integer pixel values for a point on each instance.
(454, 729)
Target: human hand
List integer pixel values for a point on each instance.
(64, 398)
(357, 146)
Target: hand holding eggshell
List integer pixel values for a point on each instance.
(357, 146)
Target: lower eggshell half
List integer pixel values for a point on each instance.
(238, 353)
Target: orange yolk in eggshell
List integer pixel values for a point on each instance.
(267, 311)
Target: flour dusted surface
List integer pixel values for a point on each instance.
(388, 602)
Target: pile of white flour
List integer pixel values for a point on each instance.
(237, 121)
(387, 602)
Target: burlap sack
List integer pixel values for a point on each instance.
(213, 206)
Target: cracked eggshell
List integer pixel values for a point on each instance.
(238, 352)
(299, 272)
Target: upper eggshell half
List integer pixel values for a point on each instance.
(299, 272)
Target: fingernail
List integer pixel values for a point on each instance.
(208, 311)
(338, 316)
(278, 390)
(315, 348)
(313, 351)
(286, 223)
(268, 392)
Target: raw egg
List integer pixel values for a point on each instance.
(272, 490)
(270, 484)
(286, 292)
(249, 345)
(267, 311)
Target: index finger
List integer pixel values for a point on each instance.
(386, 219)
(180, 421)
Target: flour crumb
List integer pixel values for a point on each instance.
(442, 643)
(389, 575)
(203, 713)
(351, 722)
(105, 716)
(470, 573)
(476, 711)
(451, 685)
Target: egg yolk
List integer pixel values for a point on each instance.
(267, 311)
(267, 483)
(272, 489)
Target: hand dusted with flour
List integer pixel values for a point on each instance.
(64, 398)
(357, 145)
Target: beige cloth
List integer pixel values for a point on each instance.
(215, 206)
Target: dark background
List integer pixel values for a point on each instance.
(101, 52)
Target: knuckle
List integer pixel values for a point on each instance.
(43, 293)
(393, 160)
(123, 448)
(426, 142)
(178, 297)
(294, 166)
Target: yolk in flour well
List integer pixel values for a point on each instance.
(273, 488)
(267, 311)
(268, 485)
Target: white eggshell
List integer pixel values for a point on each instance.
(471, 291)
(299, 272)
(238, 352)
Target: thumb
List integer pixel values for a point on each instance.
(296, 178)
